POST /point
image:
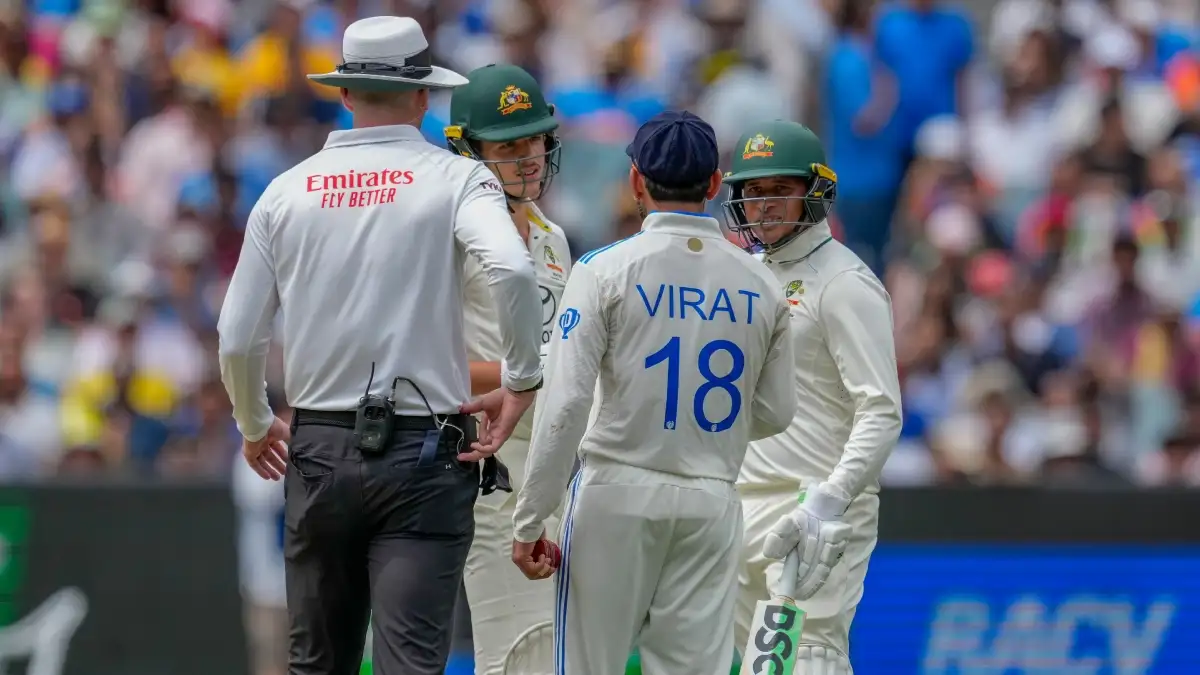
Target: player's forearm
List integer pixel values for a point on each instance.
(552, 453)
(775, 399)
(485, 230)
(485, 377)
(876, 430)
(774, 406)
(561, 416)
(858, 319)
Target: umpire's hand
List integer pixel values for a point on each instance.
(501, 409)
(268, 455)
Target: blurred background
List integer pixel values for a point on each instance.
(1023, 174)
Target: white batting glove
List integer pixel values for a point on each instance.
(815, 530)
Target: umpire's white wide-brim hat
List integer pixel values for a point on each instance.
(387, 53)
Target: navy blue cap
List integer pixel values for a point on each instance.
(675, 149)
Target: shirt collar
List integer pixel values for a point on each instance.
(682, 222)
(804, 244)
(388, 134)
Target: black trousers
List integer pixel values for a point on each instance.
(377, 536)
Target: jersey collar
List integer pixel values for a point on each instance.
(388, 134)
(680, 222)
(804, 245)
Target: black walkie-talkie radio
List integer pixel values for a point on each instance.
(375, 420)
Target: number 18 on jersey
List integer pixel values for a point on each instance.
(670, 354)
(692, 305)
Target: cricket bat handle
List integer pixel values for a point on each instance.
(787, 580)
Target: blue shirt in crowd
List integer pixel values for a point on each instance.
(866, 165)
(926, 50)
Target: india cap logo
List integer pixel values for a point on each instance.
(512, 99)
(758, 146)
(568, 321)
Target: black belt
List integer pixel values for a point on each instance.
(345, 419)
(493, 474)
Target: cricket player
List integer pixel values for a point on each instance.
(689, 339)
(502, 119)
(848, 417)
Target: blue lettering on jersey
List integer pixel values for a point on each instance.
(697, 297)
(721, 304)
(696, 300)
(568, 321)
(670, 354)
(657, 299)
(750, 296)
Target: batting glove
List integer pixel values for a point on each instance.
(815, 530)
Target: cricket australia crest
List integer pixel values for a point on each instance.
(512, 99)
(793, 291)
(551, 259)
(758, 146)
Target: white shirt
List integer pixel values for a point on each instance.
(689, 338)
(848, 415)
(552, 263)
(260, 536)
(362, 247)
(1015, 151)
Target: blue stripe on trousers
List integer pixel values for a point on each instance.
(560, 616)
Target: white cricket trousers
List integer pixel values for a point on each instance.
(650, 561)
(503, 602)
(830, 612)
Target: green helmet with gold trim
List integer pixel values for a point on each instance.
(778, 149)
(504, 104)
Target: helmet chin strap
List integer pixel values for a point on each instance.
(786, 239)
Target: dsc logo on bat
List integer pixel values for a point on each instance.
(774, 644)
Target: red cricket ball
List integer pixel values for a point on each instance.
(545, 547)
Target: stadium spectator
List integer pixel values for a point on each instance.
(927, 45)
(864, 146)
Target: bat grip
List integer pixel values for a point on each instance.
(787, 580)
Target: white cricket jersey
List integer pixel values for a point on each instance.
(361, 247)
(552, 263)
(848, 415)
(689, 338)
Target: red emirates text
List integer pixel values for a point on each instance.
(358, 188)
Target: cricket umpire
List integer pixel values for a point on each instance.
(360, 248)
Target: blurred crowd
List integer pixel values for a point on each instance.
(1022, 173)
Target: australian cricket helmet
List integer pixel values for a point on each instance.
(778, 149)
(503, 103)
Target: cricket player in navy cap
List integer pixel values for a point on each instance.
(689, 339)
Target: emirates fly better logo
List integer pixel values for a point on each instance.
(356, 189)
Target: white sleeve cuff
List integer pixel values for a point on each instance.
(514, 383)
(826, 501)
